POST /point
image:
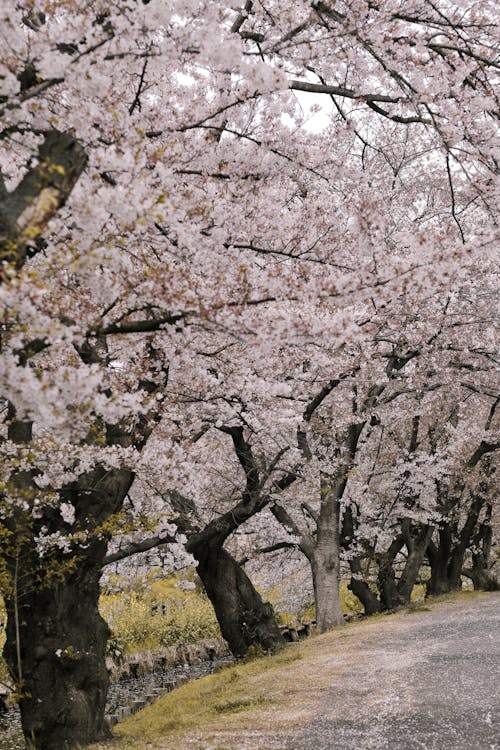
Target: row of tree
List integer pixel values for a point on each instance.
(215, 312)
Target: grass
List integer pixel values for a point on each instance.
(161, 613)
(254, 686)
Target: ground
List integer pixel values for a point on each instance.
(423, 680)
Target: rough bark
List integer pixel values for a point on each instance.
(61, 641)
(368, 599)
(446, 559)
(481, 573)
(246, 622)
(416, 540)
(357, 584)
(325, 573)
(438, 556)
(325, 558)
(56, 639)
(390, 597)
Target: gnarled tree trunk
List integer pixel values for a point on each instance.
(390, 597)
(439, 557)
(416, 540)
(246, 622)
(55, 648)
(56, 638)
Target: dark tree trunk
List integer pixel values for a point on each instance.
(362, 590)
(480, 572)
(439, 557)
(447, 559)
(56, 641)
(56, 638)
(246, 622)
(357, 585)
(390, 597)
(416, 540)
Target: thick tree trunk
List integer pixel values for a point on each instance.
(325, 573)
(417, 540)
(56, 639)
(325, 557)
(55, 649)
(439, 558)
(390, 597)
(246, 622)
(368, 599)
(447, 559)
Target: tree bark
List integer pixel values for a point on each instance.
(325, 573)
(368, 599)
(357, 585)
(447, 558)
(56, 638)
(416, 540)
(55, 648)
(325, 556)
(480, 573)
(246, 622)
(26, 211)
(390, 597)
(439, 556)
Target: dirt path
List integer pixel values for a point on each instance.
(430, 681)
(427, 680)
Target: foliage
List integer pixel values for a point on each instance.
(158, 614)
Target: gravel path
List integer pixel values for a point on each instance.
(425, 681)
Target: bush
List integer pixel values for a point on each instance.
(159, 614)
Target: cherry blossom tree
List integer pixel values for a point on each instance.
(167, 222)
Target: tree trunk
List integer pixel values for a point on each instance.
(439, 557)
(417, 540)
(447, 559)
(390, 597)
(357, 585)
(56, 638)
(246, 622)
(362, 590)
(325, 573)
(325, 558)
(368, 599)
(55, 649)
(480, 572)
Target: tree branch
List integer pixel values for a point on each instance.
(26, 211)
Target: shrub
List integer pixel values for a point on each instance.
(161, 613)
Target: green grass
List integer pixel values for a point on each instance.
(205, 702)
